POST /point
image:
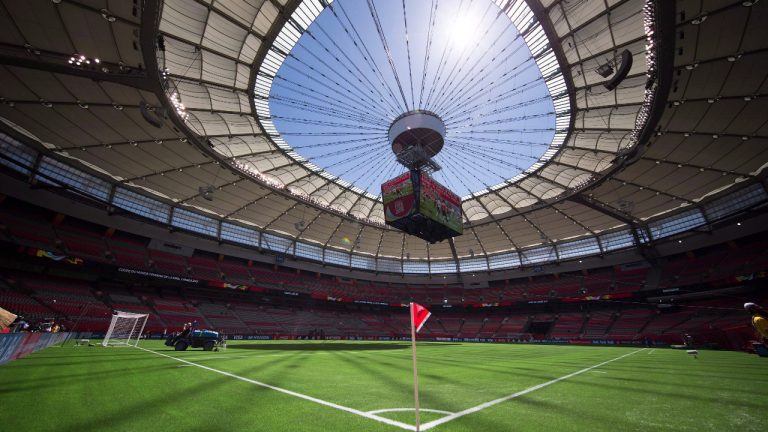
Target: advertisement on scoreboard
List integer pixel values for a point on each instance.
(399, 198)
(440, 204)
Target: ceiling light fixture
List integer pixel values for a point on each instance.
(698, 20)
(107, 16)
(178, 106)
(32, 50)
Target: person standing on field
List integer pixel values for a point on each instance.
(759, 319)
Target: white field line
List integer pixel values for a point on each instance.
(651, 351)
(292, 393)
(407, 410)
(595, 371)
(446, 419)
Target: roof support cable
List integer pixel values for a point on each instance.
(408, 50)
(387, 51)
(447, 50)
(361, 76)
(338, 88)
(346, 84)
(359, 42)
(448, 85)
(469, 95)
(430, 31)
(328, 105)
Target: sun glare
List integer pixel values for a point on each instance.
(465, 31)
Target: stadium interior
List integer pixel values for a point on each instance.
(228, 163)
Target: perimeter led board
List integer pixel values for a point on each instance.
(420, 206)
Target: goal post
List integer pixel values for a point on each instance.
(125, 329)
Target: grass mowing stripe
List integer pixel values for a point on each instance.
(291, 393)
(446, 419)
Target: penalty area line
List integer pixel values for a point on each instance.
(290, 393)
(446, 419)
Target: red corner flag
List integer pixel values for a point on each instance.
(419, 315)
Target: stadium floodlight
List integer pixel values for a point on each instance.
(125, 329)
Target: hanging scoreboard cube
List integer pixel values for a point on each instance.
(414, 202)
(420, 206)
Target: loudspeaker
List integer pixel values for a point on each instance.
(152, 115)
(621, 73)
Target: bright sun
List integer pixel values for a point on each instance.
(465, 31)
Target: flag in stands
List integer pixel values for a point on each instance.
(419, 315)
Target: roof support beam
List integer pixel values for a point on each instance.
(130, 79)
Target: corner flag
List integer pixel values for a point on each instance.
(419, 315)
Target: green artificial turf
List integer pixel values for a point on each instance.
(128, 389)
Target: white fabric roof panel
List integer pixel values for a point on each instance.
(495, 204)
(585, 159)
(224, 36)
(40, 26)
(590, 219)
(242, 145)
(218, 69)
(415, 247)
(183, 59)
(493, 239)
(473, 210)
(521, 231)
(243, 11)
(184, 19)
(568, 15)
(265, 18)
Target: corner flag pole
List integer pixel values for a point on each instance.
(415, 372)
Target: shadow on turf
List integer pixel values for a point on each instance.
(332, 346)
(186, 396)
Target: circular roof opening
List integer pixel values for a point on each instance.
(357, 66)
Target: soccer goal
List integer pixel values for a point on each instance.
(125, 329)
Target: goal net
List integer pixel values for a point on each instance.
(125, 329)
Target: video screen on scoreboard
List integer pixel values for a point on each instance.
(440, 204)
(399, 198)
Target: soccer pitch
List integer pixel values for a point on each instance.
(367, 386)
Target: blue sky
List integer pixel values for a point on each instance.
(335, 96)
